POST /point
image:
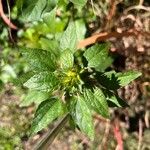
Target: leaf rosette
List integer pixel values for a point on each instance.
(73, 81)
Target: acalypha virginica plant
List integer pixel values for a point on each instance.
(73, 82)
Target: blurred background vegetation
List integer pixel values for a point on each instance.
(131, 53)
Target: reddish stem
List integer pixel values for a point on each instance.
(5, 18)
(118, 136)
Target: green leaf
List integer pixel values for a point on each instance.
(19, 4)
(126, 77)
(83, 117)
(66, 59)
(40, 60)
(79, 2)
(80, 60)
(1, 85)
(51, 4)
(108, 80)
(96, 100)
(47, 111)
(33, 10)
(97, 57)
(80, 29)
(34, 97)
(69, 38)
(113, 81)
(22, 78)
(44, 81)
(50, 45)
(50, 19)
(114, 100)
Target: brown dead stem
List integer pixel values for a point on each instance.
(111, 13)
(105, 36)
(101, 119)
(140, 134)
(104, 143)
(138, 7)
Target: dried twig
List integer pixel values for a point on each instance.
(111, 13)
(138, 7)
(146, 117)
(83, 138)
(5, 18)
(101, 119)
(106, 133)
(105, 36)
(112, 9)
(141, 2)
(140, 134)
(9, 29)
(105, 137)
(92, 3)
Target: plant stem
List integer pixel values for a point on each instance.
(50, 136)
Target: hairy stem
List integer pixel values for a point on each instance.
(50, 136)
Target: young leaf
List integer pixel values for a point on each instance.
(50, 19)
(40, 60)
(80, 3)
(23, 78)
(69, 38)
(51, 4)
(66, 59)
(34, 97)
(108, 80)
(83, 117)
(114, 100)
(47, 111)
(97, 57)
(80, 29)
(44, 81)
(51, 46)
(126, 77)
(33, 10)
(113, 81)
(96, 100)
